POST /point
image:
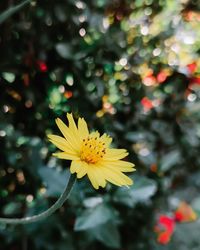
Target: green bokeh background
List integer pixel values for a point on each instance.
(132, 70)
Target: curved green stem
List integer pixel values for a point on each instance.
(46, 213)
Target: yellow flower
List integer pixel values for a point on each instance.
(90, 154)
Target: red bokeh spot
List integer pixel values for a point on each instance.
(42, 66)
(164, 229)
(195, 80)
(68, 94)
(149, 80)
(164, 238)
(162, 76)
(154, 168)
(178, 216)
(167, 222)
(192, 67)
(184, 213)
(146, 103)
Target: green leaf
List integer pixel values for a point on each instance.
(92, 201)
(169, 160)
(179, 238)
(108, 234)
(64, 50)
(134, 136)
(142, 190)
(196, 205)
(54, 179)
(6, 14)
(12, 208)
(94, 217)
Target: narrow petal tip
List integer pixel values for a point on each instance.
(57, 120)
(49, 137)
(55, 154)
(129, 182)
(69, 115)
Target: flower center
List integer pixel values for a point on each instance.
(92, 149)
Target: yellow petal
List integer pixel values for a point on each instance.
(72, 125)
(119, 163)
(75, 166)
(82, 171)
(79, 167)
(92, 178)
(82, 128)
(73, 141)
(123, 166)
(116, 177)
(66, 156)
(106, 139)
(115, 154)
(61, 143)
(99, 176)
(110, 177)
(94, 134)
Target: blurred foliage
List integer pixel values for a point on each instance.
(132, 69)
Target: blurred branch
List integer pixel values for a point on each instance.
(24, 242)
(6, 14)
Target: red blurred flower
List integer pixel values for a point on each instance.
(68, 94)
(167, 222)
(149, 80)
(154, 168)
(184, 213)
(178, 216)
(147, 103)
(42, 66)
(192, 67)
(164, 228)
(166, 225)
(193, 84)
(164, 238)
(191, 15)
(162, 76)
(195, 80)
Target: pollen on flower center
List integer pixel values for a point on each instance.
(91, 154)
(92, 149)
